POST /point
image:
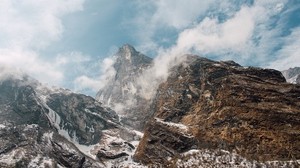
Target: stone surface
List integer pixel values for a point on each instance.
(211, 105)
(50, 127)
(33, 146)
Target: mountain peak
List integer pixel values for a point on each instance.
(127, 52)
(128, 56)
(292, 75)
(128, 47)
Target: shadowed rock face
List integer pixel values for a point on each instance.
(41, 127)
(33, 146)
(18, 103)
(82, 116)
(220, 105)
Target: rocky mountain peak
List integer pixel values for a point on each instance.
(128, 59)
(121, 93)
(292, 75)
(127, 49)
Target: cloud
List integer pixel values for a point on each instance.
(232, 38)
(26, 28)
(289, 55)
(247, 36)
(156, 15)
(97, 82)
(210, 35)
(29, 62)
(7, 72)
(246, 31)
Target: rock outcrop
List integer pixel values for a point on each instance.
(209, 105)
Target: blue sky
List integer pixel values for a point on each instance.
(58, 41)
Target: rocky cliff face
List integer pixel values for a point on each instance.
(42, 127)
(122, 92)
(34, 146)
(292, 75)
(206, 106)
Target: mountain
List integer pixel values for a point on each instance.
(206, 114)
(50, 127)
(122, 92)
(220, 114)
(292, 75)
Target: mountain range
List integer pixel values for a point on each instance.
(205, 114)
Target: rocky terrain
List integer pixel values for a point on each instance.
(209, 105)
(292, 75)
(122, 92)
(206, 114)
(50, 127)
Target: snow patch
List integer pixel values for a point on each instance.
(48, 136)
(2, 126)
(12, 157)
(221, 158)
(181, 127)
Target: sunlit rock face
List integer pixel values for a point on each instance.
(123, 91)
(206, 106)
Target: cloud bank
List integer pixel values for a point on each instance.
(244, 36)
(26, 28)
(97, 82)
(249, 32)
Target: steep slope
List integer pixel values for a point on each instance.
(292, 75)
(208, 107)
(122, 92)
(55, 127)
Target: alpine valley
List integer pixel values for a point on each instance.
(205, 114)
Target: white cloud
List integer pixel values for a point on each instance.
(85, 82)
(175, 13)
(29, 62)
(96, 83)
(29, 26)
(245, 37)
(7, 72)
(212, 36)
(71, 57)
(154, 15)
(289, 55)
(246, 33)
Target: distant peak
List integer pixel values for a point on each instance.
(127, 51)
(128, 47)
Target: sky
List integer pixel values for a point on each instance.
(69, 43)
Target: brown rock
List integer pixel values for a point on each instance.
(222, 105)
